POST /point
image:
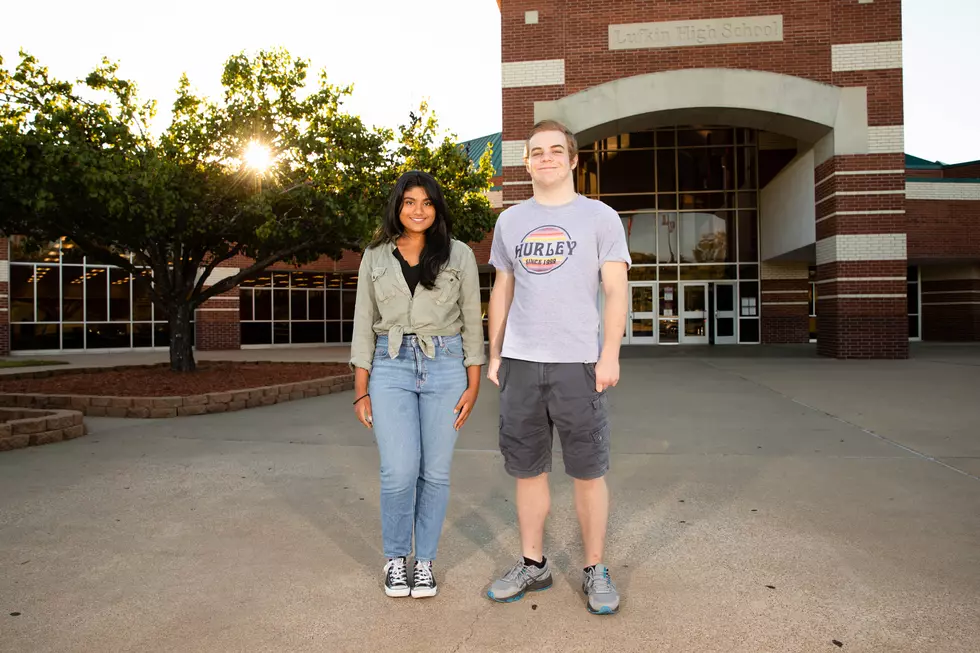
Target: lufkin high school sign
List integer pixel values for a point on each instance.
(681, 33)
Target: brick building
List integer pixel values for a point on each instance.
(754, 149)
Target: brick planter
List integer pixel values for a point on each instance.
(28, 427)
(161, 407)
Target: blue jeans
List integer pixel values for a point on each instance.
(412, 400)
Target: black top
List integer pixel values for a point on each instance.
(412, 273)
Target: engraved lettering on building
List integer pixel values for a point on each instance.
(684, 33)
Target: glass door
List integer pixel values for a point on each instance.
(725, 333)
(668, 301)
(694, 314)
(642, 315)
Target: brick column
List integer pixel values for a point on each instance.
(4, 297)
(217, 324)
(527, 78)
(862, 309)
(951, 303)
(785, 311)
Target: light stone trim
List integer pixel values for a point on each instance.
(543, 72)
(858, 172)
(518, 183)
(4, 271)
(866, 56)
(845, 193)
(843, 279)
(862, 247)
(512, 153)
(800, 108)
(886, 140)
(531, 17)
(927, 190)
(776, 271)
(865, 296)
(218, 274)
(882, 212)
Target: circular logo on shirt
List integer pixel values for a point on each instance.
(545, 249)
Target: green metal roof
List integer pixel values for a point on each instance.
(477, 146)
(916, 163)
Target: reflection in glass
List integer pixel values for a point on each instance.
(119, 288)
(587, 174)
(142, 335)
(263, 304)
(96, 294)
(630, 171)
(667, 171)
(108, 336)
(316, 305)
(641, 234)
(642, 328)
(668, 331)
(642, 273)
(245, 300)
(705, 169)
(695, 298)
(667, 233)
(642, 297)
(72, 294)
(704, 237)
(298, 300)
(142, 302)
(31, 337)
(22, 284)
(280, 304)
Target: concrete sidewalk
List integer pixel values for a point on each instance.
(759, 504)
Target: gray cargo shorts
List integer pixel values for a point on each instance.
(534, 397)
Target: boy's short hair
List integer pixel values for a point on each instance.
(548, 126)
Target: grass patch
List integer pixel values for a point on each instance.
(28, 363)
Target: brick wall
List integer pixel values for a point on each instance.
(951, 307)
(785, 314)
(217, 323)
(940, 230)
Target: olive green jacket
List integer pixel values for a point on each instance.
(385, 305)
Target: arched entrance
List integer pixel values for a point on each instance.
(683, 157)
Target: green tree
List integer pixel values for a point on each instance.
(269, 171)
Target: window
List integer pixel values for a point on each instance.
(59, 300)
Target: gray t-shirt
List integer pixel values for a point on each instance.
(555, 254)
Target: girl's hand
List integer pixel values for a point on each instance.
(363, 411)
(465, 406)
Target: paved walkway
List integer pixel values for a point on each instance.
(762, 503)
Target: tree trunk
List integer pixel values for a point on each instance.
(181, 352)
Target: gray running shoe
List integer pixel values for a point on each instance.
(521, 578)
(603, 597)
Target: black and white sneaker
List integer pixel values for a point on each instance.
(425, 583)
(396, 578)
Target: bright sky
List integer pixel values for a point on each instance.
(448, 51)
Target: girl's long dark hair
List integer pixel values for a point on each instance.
(438, 237)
